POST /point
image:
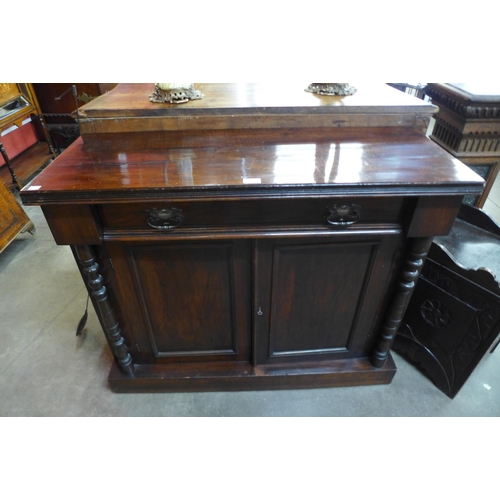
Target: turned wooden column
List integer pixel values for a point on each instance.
(411, 271)
(95, 282)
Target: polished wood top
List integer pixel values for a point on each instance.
(248, 106)
(132, 99)
(380, 165)
(251, 140)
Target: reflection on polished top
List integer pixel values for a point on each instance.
(372, 143)
(345, 167)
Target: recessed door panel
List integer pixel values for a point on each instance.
(193, 300)
(312, 295)
(321, 296)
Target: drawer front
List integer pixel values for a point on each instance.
(336, 212)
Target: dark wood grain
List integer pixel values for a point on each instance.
(468, 126)
(414, 262)
(132, 100)
(73, 224)
(454, 315)
(234, 137)
(243, 113)
(304, 295)
(58, 109)
(350, 167)
(433, 216)
(242, 213)
(186, 301)
(255, 288)
(95, 283)
(240, 376)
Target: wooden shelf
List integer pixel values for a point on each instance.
(18, 102)
(27, 164)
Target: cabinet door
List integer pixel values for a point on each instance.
(185, 301)
(320, 298)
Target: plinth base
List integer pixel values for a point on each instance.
(243, 376)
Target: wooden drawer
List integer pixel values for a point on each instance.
(253, 213)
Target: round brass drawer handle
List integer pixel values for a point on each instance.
(343, 215)
(165, 218)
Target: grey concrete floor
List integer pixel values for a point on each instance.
(46, 371)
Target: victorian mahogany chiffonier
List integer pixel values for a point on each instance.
(261, 237)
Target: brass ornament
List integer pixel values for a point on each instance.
(331, 89)
(175, 93)
(85, 98)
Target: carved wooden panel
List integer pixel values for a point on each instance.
(449, 324)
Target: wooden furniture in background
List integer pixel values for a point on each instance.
(19, 105)
(454, 315)
(255, 239)
(58, 105)
(13, 219)
(468, 126)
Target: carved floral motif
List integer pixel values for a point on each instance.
(433, 355)
(435, 313)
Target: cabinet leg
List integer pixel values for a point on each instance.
(95, 282)
(30, 228)
(411, 271)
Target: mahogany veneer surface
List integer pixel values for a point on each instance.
(412, 164)
(251, 98)
(261, 285)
